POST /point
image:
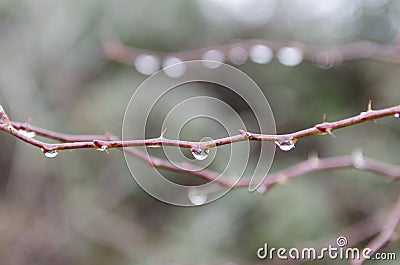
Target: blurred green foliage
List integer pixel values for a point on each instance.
(85, 208)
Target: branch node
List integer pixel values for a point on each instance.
(101, 146)
(325, 128)
(245, 134)
(369, 109)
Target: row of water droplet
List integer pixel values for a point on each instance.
(284, 144)
(199, 154)
(290, 56)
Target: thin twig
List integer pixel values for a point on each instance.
(105, 143)
(385, 236)
(319, 164)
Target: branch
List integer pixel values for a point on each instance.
(314, 163)
(104, 142)
(392, 172)
(385, 235)
(325, 57)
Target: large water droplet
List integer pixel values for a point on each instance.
(213, 59)
(147, 64)
(290, 56)
(199, 153)
(50, 153)
(261, 54)
(238, 55)
(397, 115)
(27, 134)
(196, 197)
(286, 144)
(177, 70)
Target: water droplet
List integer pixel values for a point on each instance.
(27, 134)
(213, 58)
(261, 54)
(147, 64)
(290, 56)
(238, 55)
(286, 144)
(196, 196)
(199, 153)
(50, 153)
(178, 69)
(324, 60)
(358, 159)
(397, 115)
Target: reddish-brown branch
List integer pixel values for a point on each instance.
(118, 52)
(92, 141)
(385, 235)
(336, 162)
(313, 164)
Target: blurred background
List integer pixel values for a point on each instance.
(83, 207)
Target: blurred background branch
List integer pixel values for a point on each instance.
(262, 51)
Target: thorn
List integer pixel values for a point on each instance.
(369, 108)
(324, 118)
(163, 132)
(4, 116)
(329, 131)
